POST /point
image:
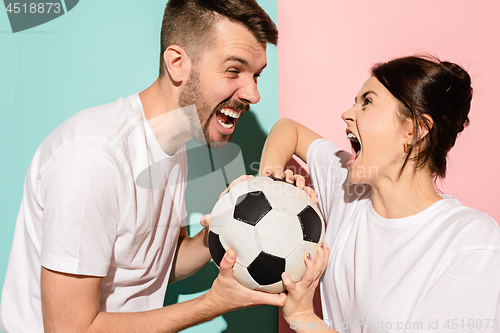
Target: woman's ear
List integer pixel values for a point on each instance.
(425, 125)
(177, 64)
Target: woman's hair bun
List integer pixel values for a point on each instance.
(458, 72)
(459, 92)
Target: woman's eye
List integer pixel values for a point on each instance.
(367, 101)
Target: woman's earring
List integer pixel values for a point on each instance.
(407, 149)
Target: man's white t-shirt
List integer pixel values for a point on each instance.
(100, 198)
(436, 271)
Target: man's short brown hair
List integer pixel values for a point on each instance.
(190, 23)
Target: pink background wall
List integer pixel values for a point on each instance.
(327, 48)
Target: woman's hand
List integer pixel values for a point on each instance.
(299, 301)
(296, 179)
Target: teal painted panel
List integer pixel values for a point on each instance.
(95, 53)
(99, 51)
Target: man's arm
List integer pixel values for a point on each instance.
(191, 254)
(70, 303)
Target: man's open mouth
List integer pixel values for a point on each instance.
(227, 117)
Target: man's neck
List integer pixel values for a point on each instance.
(171, 125)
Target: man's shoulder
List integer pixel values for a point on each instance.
(105, 122)
(105, 125)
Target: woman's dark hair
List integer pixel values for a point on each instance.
(440, 90)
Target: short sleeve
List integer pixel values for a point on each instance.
(466, 295)
(327, 165)
(82, 195)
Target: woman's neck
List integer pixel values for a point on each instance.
(406, 196)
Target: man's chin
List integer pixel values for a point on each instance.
(212, 143)
(219, 142)
(217, 145)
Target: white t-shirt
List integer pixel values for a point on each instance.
(100, 198)
(436, 271)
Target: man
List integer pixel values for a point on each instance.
(93, 250)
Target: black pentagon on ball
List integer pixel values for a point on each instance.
(251, 207)
(217, 251)
(311, 224)
(266, 269)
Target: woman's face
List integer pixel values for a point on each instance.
(376, 134)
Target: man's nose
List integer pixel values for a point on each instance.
(249, 93)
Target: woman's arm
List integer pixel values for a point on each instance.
(298, 310)
(287, 137)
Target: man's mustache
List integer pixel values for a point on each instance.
(235, 105)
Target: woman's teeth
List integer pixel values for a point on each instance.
(352, 137)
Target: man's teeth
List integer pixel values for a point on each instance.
(226, 126)
(352, 137)
(231, 113)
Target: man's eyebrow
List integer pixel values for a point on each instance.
(238, 59)
(364, 95)
(242, 61)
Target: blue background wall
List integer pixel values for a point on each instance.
(97, 52)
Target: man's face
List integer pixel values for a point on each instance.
(223, 83)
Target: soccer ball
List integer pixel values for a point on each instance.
(271, 225)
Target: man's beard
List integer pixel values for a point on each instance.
(191, 95)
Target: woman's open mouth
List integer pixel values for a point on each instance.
(356, 147)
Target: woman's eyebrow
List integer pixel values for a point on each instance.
(364, 95)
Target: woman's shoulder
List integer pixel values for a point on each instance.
(475, 229)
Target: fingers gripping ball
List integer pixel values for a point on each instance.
(271, 225)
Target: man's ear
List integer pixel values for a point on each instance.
(177, 63)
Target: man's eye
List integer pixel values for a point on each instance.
(233, 71)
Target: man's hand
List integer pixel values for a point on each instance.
(227, 294)
(234, 182)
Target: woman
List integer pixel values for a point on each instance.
(402, 257)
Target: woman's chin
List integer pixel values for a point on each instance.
(352, 178)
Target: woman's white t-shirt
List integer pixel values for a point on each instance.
(436, 271)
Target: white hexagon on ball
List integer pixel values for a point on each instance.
(279, 233)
